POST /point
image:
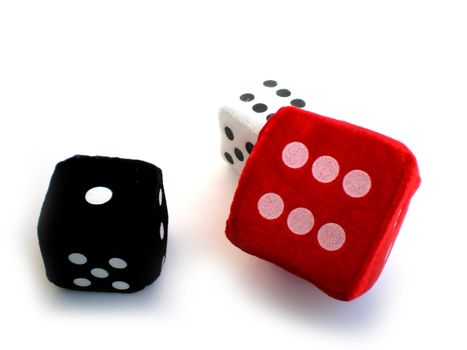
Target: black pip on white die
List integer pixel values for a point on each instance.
(103, 224)
(244, 116)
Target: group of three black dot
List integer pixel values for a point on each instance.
(238, 153)
(258, 108)
(261, 107)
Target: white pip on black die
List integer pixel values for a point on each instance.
(241, 120)
(103, 224)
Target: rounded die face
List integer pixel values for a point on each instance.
(237, 140)
(100, 211)
(257, 102)
(337, 190)
(245, 115)
(105, 182)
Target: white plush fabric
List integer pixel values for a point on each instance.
(243, 132)
(245, 123)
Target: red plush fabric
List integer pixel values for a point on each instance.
(323, 199)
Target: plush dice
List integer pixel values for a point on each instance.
(323, 199)
(103, 224)
(242, 119)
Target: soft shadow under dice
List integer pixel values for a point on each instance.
(323, 199)
(103, 224)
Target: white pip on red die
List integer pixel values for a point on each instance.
(323, 199)
(241, 120)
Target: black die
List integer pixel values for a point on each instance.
(103, 224)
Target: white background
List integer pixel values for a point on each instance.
(144, 79)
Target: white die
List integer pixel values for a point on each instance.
(242, 119)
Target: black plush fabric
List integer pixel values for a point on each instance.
(116, 246)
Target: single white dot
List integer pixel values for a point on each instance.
(120, 285)
(77, 258)
(356, 183)
(162, 231)
(82, 282)
(325, 169)
(300, 221)
(331, 236)
(270, 206)
(98, 195)
(99, 273)
(160, 197)
(118, 263)
(295, 155)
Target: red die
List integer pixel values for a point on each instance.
(323, 199)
